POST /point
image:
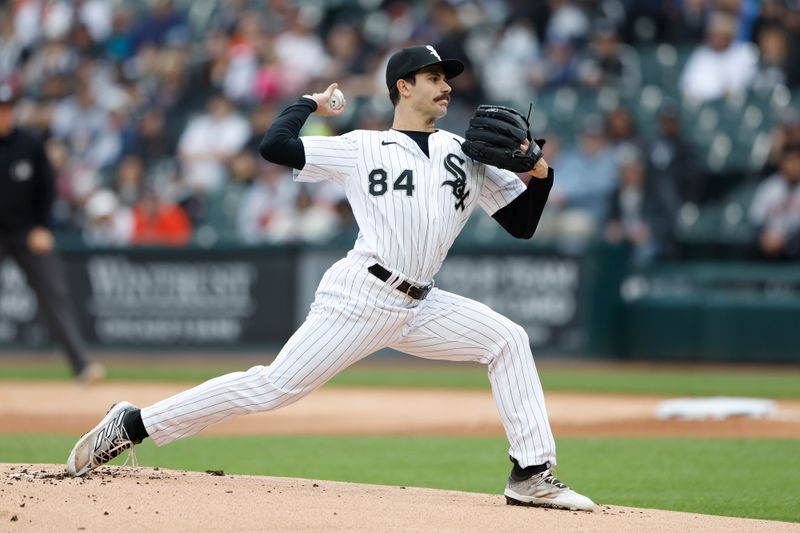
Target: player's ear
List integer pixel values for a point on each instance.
(403, 87)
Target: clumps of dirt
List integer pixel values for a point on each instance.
(26, 474)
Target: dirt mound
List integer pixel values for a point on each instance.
(40, 498)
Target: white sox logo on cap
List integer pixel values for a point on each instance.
(434, 53)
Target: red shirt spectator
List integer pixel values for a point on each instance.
(156, 221)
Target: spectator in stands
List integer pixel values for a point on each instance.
(53, 58)
(260, 118)
(85, 127)
(108, 223)
(312, 222)
(672, 160)
(129, 181)
(352, 60)
(151, 142)
(791, 22)
(162, 26)
(773, 60)
(721, 66)
(10, 47)
(268, 77)
(567, 22)
(300, 53)
(452, 43)
(775, 210)
(96, 16)
(240, 76)
(609, 63)
(621, 130)
(558, 67)
(272, 193)
(786, 132)
(514, 52)
(685, 20)
(207, 144)
(639, 213)
(207, 70)
(243, 167)
(579, 200)
(348, 54)
(83, 43)
(346, 226)
(159, 222)
(553, 149)
(39, 20)
(782, 14)
(120, 46)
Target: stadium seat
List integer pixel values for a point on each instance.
(759, 150)
(752, 121)
(719, 152)
(699, 225)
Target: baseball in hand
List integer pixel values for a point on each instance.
(337, 99)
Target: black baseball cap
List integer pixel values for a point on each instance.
(7, 94)
(412, 59)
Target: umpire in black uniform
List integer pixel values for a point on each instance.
(27, 192)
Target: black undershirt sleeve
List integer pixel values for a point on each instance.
(521, 216)
(281, 144)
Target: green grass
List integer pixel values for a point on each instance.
(755, 478)
(773, 383)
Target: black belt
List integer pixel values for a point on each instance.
(418, 293)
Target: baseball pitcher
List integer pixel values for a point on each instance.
(412, 189)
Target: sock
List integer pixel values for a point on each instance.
(519, 473)
(134, 426)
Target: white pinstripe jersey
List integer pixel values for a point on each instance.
(410, 208)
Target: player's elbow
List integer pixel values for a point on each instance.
(269, 148)
(524, 233)
(287, 152)
(517, 226)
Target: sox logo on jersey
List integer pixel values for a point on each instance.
(453, 165)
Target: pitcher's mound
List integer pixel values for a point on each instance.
(41, 498)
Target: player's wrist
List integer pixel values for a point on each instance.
(310, 99)
(540, 170)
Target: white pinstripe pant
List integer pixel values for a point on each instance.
(355, 314)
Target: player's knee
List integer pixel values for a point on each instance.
(518, 338)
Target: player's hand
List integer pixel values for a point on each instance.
(540, 169)
(40, 241)
(323, 100)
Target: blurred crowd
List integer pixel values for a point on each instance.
(153, 109)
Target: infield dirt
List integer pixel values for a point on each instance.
(38, 498)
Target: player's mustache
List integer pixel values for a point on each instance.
(443, 97)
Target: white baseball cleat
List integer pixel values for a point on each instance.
(544, 490)
(107, 440)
